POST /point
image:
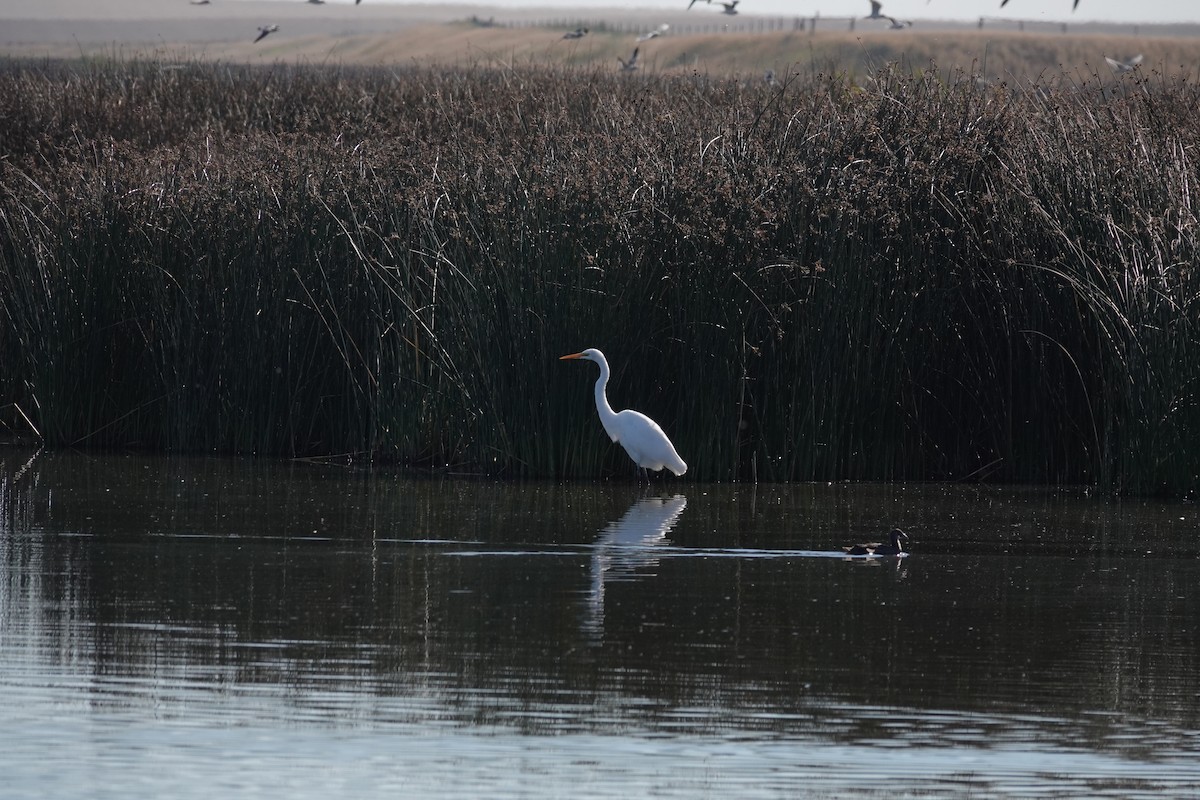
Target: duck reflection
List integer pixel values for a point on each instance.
(627, 548)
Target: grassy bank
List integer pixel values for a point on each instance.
(917, 280)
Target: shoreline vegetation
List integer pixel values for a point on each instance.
(906, 276)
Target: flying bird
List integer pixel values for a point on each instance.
(731, 7)
(1075, 6)
(263, 30)
(876, 8)
(654, 34)
(199, 2)
(898, 25)
(1124, 66)
(641, 437)
(627, 66)
(578, 33)
(694, 3)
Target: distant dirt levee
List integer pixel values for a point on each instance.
(714, 44)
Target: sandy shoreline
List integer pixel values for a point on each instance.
(140, 22)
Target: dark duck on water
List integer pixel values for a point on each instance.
(895, 546)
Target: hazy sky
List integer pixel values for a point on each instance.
(1089, 10)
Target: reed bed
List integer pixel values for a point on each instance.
(918, 279)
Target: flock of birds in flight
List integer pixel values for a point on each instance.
(729, 7)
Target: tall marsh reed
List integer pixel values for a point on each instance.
(917, 279)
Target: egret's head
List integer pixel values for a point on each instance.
(591, 354)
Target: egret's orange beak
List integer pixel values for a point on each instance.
(573, 355)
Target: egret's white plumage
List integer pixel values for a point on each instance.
(641, 437)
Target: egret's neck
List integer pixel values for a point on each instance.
(607, 416)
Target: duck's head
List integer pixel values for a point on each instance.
(899, 538)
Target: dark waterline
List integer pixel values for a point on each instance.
(171, 626)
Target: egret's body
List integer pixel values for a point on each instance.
(641, 436)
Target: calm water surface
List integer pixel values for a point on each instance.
(200, 628)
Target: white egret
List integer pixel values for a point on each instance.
(641, 437)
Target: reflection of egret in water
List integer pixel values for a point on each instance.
(628, 547)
